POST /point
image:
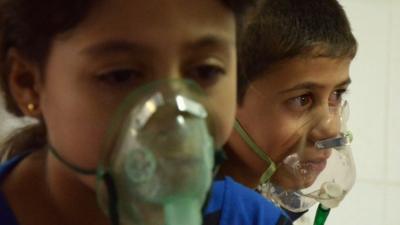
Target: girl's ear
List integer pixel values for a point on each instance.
(24, 82)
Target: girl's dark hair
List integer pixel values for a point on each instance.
(284, 29)
(29, 26)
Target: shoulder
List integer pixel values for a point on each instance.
(235, 204)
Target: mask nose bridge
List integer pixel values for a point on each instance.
(325, 122)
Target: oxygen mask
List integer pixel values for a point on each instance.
(313, 171)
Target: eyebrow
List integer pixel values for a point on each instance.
(124, 46)
(114, 46)
(210, 41)
(312, 85)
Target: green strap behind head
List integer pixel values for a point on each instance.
(73, 167)
(256, 149)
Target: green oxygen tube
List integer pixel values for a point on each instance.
(321, 215)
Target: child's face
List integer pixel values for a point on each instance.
(291, 106)
(123, 44)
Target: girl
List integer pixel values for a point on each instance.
(70, 63)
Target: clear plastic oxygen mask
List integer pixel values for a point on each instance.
(157, 163)
(313, 170)
(322, 171)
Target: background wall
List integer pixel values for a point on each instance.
(7, 123)
(375, 116)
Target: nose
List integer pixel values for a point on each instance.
(327, 124)
(167, 66)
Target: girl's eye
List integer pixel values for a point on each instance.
(206, 75)
(301, 102)
(336, 97)
(119, 76)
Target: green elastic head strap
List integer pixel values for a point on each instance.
(256, 149)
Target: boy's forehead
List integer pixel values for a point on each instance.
(317, 71)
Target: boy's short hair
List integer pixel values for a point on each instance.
(284, 29)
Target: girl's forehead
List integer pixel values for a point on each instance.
(157, 14)
(155, 22)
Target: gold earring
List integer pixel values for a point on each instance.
(31, 107)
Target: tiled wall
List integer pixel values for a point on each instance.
(375, 116)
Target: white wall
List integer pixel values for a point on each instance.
(375, 116)
(7, 122)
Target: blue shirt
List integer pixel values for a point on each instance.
(230, 204)
(233, 204)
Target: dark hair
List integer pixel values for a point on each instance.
(29, 26)
(284, 29)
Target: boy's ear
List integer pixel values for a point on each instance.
(24, 82)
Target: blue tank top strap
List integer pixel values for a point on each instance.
(8, 165)
(7, 216)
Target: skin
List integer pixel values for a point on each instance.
(120, 45)
(285, 111)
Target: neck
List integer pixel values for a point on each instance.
(73, 194)
(238, 169)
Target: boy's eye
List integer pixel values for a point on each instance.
(206, 75)
(119, 76)
(300, 102)
(336, 97)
